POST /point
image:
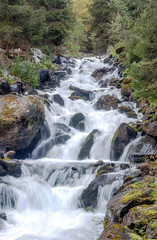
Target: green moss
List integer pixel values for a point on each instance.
(77, 98)
(104, 223)
(135, 236)
(154, 224)
(89, 209)
(134, 194)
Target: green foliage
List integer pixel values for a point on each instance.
(34, 22)
(102, 12)
(26, 71)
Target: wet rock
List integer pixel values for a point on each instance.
(122, 137)
(58, 99)
(21, 118)
(77, 121)
(112, 167)
(3, 150)
(145, 146)
(145, 215)
(126, 89)
(81, 93)
(115, 231)
(60, 74)
(10, 167)
(150, 128)
(113, 82)
(4, 87)
(62, 127)
(10, 154)
(54, 81)
(69, 71)
(99, 73)
(89, 195)
(107, 103)
(128, 111)
(58, 138)
(43, 75)
(151, 231)
(3, 216)
(17, 87)
(87, 145)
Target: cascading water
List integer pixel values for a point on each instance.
(43, 204)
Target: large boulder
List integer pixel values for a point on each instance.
(128, 111)
(81, 94)
(99, 73)
(21, 118)
(77, 121)
(107, 102)
(10, 167)
(115, 231)
(150, 128)
(87, 145)
(4, 87)
(122, 137)
(146, 214)
(89, 197)
(58, 99)
(3, 150)
(43, 75)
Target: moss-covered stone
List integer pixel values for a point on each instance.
(115, 231)
(87, 145)
(21, 118)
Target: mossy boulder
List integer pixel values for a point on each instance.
(150, 128)
(10, 167)
(77, 121)
(87, 145)
(115, 231)
(151, 231)
(139, 217)
(89, 197)
(21, 118)
(81, 94)
(123, 135)
(107, 103)
(126, 89)
(128, 111)
(99, 73)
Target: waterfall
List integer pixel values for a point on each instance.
(44, 203)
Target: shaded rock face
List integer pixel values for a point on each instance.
(81, 94)
(144, 146)
(77, 121)
(122, 137)
(10, 167)
(107, 103)
(90, 194)
(58, 99)
(87, 145)
(21, 118)
(151, 231)
(48, 79)
(3, 150)
(115, 231)
(4, 87)
(144, 213)
(150, 128)
(99, 73)
(128, 111)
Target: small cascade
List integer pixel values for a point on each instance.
(45, 203)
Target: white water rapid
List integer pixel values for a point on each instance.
(44, 203)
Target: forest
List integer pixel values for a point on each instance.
(125, 28)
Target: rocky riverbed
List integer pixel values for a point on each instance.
(130, 146)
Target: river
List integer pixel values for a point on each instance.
(44, 203)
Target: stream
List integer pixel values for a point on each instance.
(45, 202)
